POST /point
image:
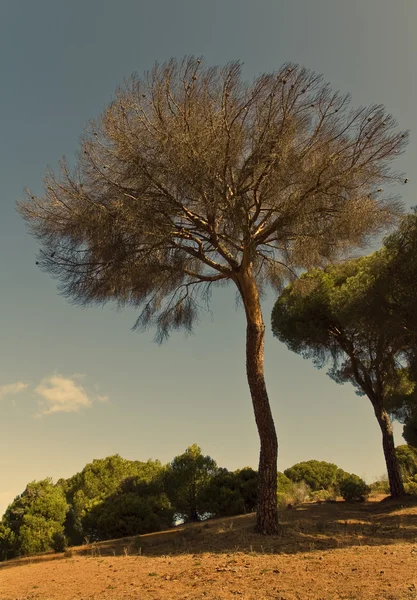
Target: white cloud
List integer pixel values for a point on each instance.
(62, 394)
(58, 394)
(12, 388)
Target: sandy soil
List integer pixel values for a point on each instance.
(324, 552)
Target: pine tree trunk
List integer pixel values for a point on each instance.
(267, 512)
(394, 474)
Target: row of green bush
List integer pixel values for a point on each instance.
(319, 481)
(114, 497)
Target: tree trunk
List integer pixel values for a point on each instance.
(396, 485)
(267, 512)
(376, 397)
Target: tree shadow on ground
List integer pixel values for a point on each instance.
(319, 526)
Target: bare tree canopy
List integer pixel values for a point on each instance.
(192, 177)
(191, 172)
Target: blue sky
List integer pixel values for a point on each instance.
(79, 384)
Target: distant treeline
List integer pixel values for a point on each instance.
(113, 497)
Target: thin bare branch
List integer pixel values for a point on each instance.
(192, 174)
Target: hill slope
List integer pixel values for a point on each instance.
(324, 551)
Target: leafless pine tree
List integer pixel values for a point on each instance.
(193, 177)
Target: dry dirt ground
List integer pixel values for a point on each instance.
(326, 551)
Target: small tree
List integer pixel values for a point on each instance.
(187, 480)
(99, 480)
(328, 316)
(31, 521)
(354, 489)
(232, 493)
(223, 496)
(318, 475)
(193, 178)
(127, 513)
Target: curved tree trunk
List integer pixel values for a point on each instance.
(396, 484)
(267, 513)
(394, 474)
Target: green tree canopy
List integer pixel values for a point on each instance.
(402, 405)
(187, 479)
(8, 546)
(128, 513)
(397, 283)
(353, 488)
(329, 316)
(231, 493)
(97, 481)
(396, 306)
(318, 474)
(32, 519)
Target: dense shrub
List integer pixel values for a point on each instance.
(293, 495)
(231, 493)
(59, 542)
(31, 521)
(7, 542)
(354, 489)
(248, 485)
(411, 486)
(284, 482)
(138, 506)
(99, 480)
(224, 500)
(113, 498)
(323, 495)
(318, 475)
(380, 487)
(127, 514)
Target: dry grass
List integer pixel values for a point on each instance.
(324, 551)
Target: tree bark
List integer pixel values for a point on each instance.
(267, 511)
(393, 468)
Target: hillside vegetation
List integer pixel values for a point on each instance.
(114, 498)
